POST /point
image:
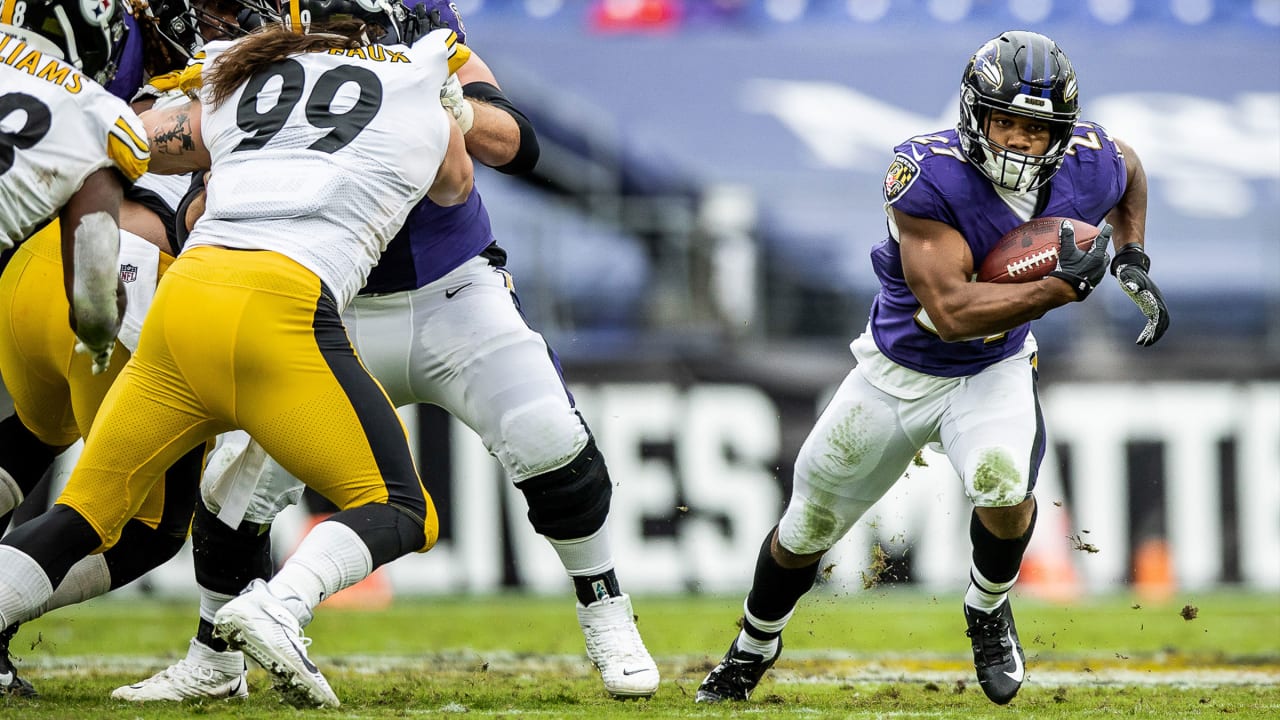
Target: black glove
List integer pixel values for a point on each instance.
(1082, 270)
(426, 20)
(1130, 268)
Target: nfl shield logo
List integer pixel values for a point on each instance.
(128, 273)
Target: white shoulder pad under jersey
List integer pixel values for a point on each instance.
(322, 156)
(60, 127)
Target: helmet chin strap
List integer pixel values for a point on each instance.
(68, 33)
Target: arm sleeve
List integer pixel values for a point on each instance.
(526, 157)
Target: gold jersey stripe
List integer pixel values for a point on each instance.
(459, 54)
(140, 143)
(128, 156)
(6, 11)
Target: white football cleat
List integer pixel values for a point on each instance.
(259, 624)
(203, 673)
(615, 647)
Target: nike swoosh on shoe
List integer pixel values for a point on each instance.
(302, 656)
(1017, 673)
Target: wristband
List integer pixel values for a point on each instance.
(1131, 254)
(1077, 283)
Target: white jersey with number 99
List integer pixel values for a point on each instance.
(354, 137)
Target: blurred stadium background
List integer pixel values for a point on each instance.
(694, 245)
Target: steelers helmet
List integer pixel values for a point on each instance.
(88, 34)
(389, 15)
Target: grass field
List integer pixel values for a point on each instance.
(880, 654)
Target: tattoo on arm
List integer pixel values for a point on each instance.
(174, 136)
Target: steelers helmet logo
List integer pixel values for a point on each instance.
(98, 12)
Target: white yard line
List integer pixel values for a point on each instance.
(806, 667)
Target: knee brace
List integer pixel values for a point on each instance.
(227, 559)
(572, 501)
(389, 531)
(139, 550)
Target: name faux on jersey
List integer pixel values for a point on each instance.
(931, 178)
(20, 56)
(376, 53)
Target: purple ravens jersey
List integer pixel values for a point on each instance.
(432, 242)
(931, 178)
(129, 72)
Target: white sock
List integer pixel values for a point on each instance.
(24, 586)
(10, 494)
(330, 558)
(87, 579)
(211, 602)
(985, 595)
(590, 555)
(764, 648)
(230, 662)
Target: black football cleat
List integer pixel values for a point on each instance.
(736, 675)
(997, 654)
(10, 683)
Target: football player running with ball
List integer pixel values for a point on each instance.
(951, 362)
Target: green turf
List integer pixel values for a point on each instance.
(877, 654)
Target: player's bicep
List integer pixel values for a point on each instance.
(935, 257)
(475, 70)
(177, 145)
(1129, 216)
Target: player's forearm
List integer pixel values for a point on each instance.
(455, 178)
(91, 251)
(977, 310)
(494, 137)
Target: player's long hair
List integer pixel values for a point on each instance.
(272, 44)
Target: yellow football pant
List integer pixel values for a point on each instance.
(54, 390)
(249, 340)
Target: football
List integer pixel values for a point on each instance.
(1030, 251)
